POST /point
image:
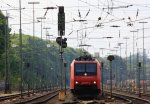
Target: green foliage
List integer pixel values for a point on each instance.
(119, 70)
(41, 64)
(2, 33)
(4, 38)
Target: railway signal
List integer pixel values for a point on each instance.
(61, 21)
(58, 40)
(62, 42)
(110, 58)
(65, 66)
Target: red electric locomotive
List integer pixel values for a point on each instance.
(85, 75)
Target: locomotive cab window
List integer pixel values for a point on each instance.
(91, 69)
(81, 69)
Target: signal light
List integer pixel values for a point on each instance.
(110, 57)
(61, 21)
(62, 42)
(58, 40)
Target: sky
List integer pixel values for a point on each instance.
(102, 17)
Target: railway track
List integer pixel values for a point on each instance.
(145, 96)
(96, 100)
(9, 97)
(132, 98)
(2, 98)
(40, 99)
(119, 97)
(13, 98)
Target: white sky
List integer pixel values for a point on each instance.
(94, 35)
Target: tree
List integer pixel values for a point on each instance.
(4, 43)
(2, 33)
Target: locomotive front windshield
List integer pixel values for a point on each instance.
(81, 69)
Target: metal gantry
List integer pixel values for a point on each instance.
(46, 34)
(102, 71)
(110, 58)
(33, 3)
(7, 42)
(116, 69)
(41, 18)
(48, 45)
(21, 61)
(7, 79)
(120, 77)
(144, 69)
(126, 52)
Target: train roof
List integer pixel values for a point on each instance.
(85, 58)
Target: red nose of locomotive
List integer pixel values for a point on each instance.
(85, 80)
(85, 74)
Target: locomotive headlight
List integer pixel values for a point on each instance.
(76, 82)
(94, 82)
(85, 74)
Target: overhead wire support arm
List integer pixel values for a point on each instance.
(47, 8)
(13, 9)
(118, 7)
(87, 13)
(112, 21)
(114, 26)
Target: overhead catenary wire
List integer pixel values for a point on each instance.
(139, 5)
(72, 27)
(13, 7)
(108, 12)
